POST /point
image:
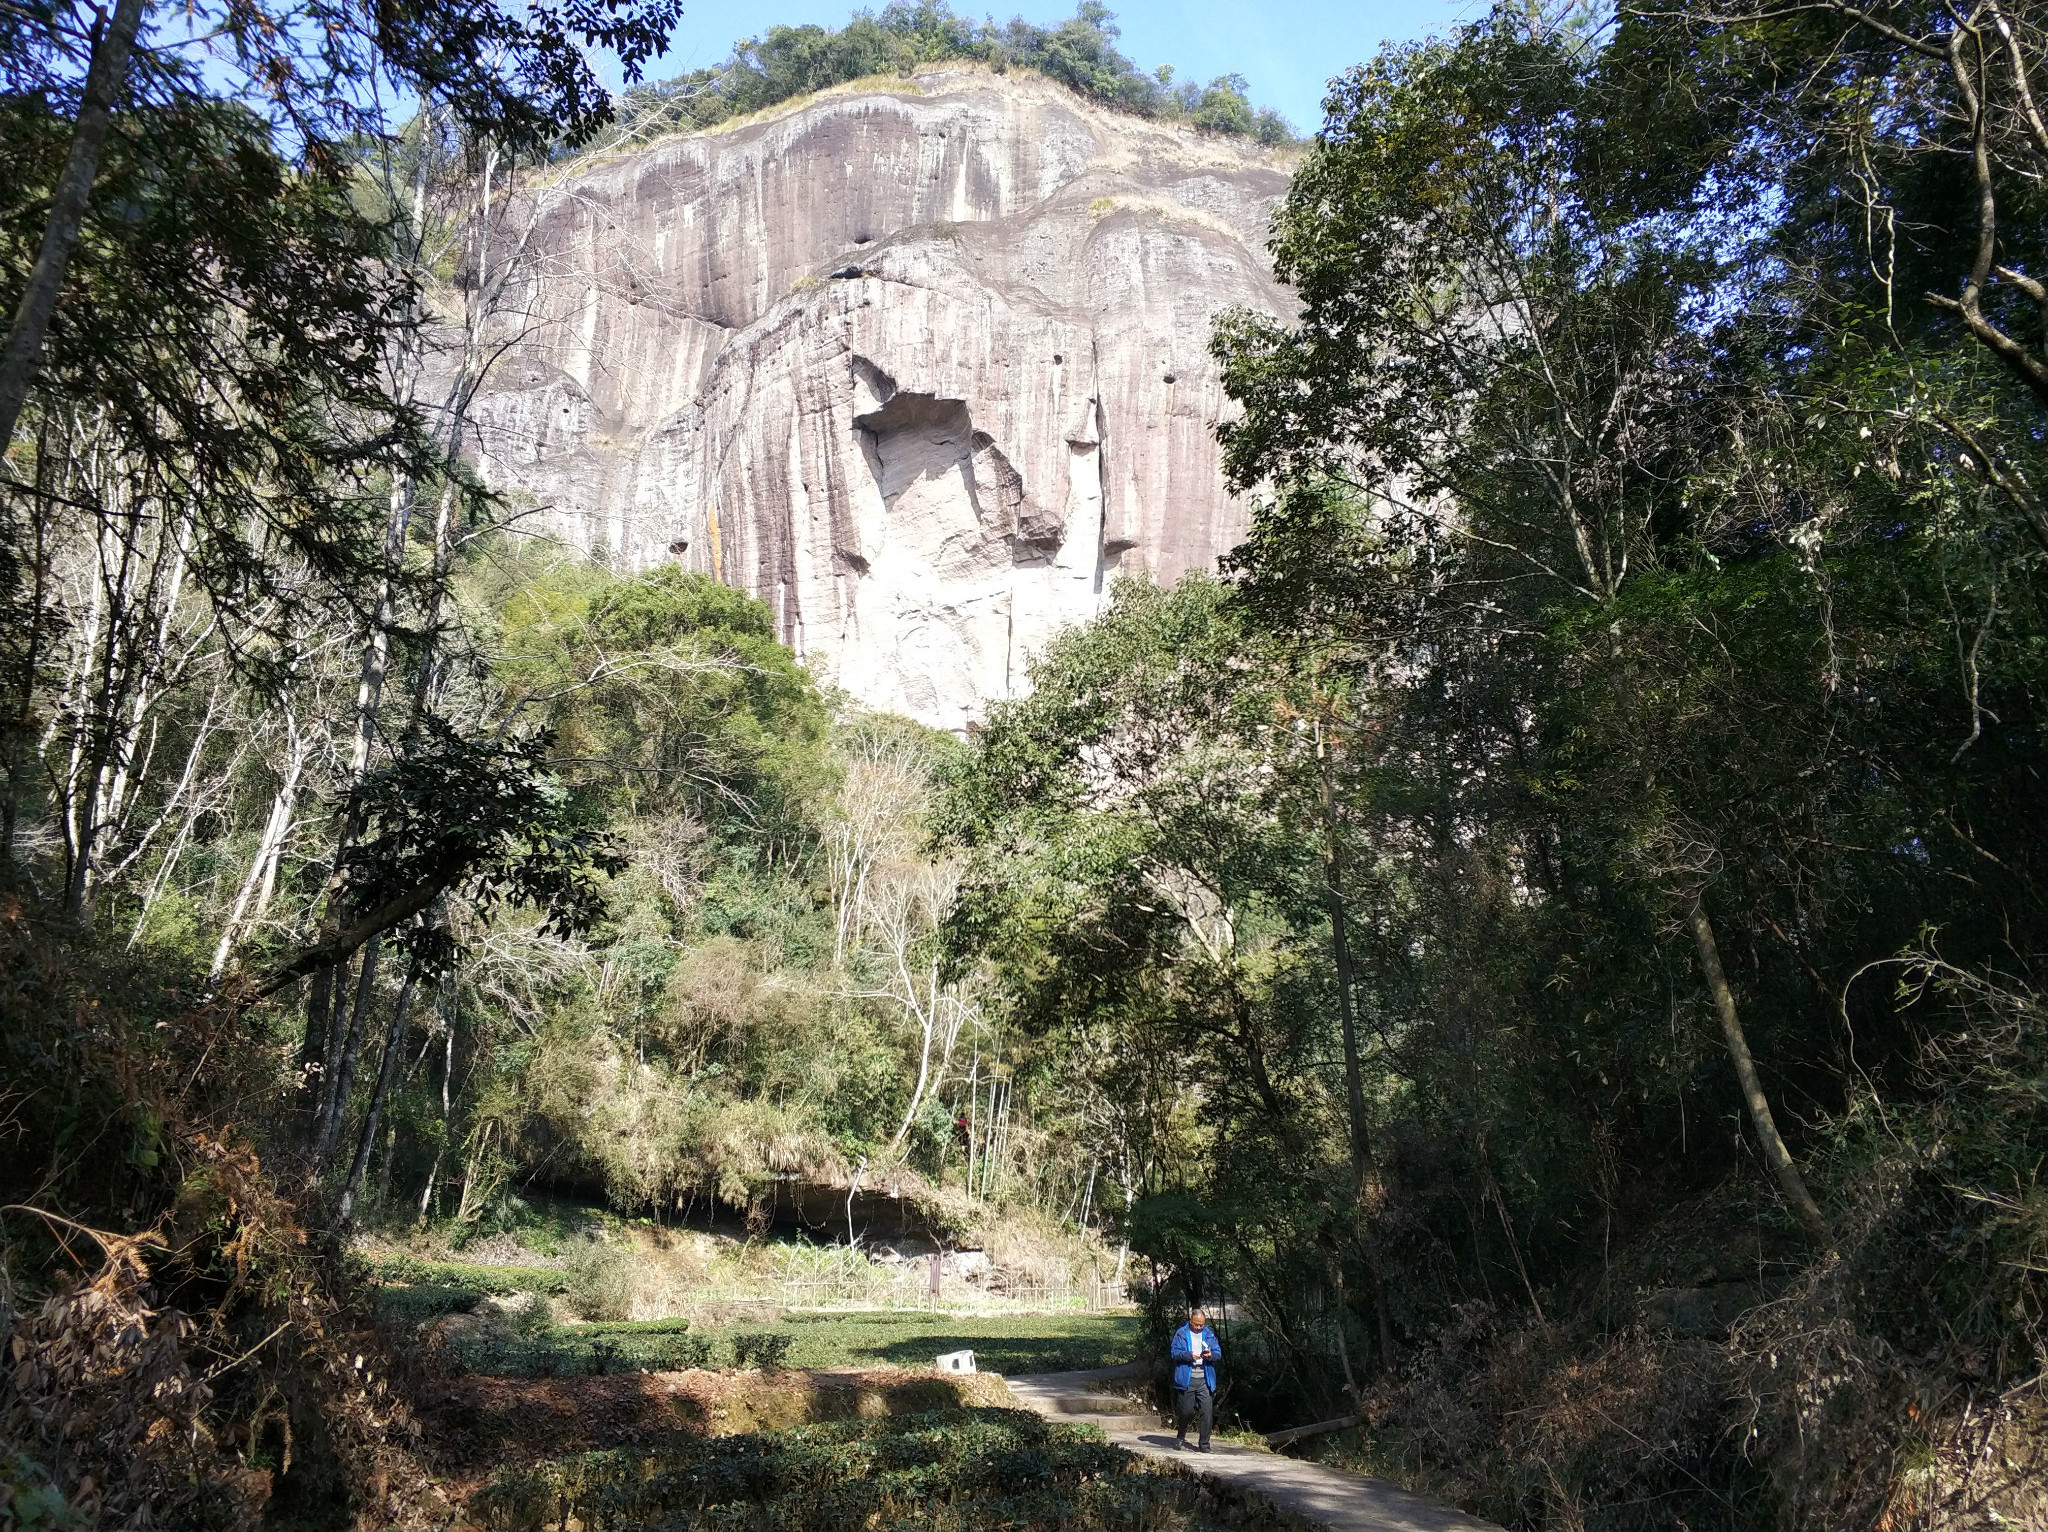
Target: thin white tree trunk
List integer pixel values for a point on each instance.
(1776, 1155)
(188, 805)
(195, 790)
(926, 1020)
(441, 1146)
(467, 1207)
(155, 673)
(973, 1116)
(269, 847)
(105, 79)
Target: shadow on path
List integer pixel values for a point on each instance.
(1329, 1497)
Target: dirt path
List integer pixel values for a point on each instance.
(1328, 1497)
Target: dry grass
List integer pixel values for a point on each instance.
(644, 1271)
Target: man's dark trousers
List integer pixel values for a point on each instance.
(1196, 1397)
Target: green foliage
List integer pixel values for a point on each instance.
(414, 1304)
(672, 694)
(728, 1018)
(1147, 881)
(1946, 1234)
(1647, 589)
(1024, 1343)
(760, 1349)
(1638, 571)
(584, 1351)
(486, 815)
(29, 1501)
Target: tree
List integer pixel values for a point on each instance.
(150, 514)
(1148, 868)
(1513, 374)
(521, 77)
(1907, 146)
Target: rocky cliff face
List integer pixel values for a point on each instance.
(924, 367)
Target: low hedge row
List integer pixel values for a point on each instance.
(498, 1281)
(559, 1353)
(945, 1471)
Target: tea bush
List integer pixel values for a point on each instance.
(497, 1281)
(939, 1471)
(763, 1349)
(419, 1302)
(562, 1353)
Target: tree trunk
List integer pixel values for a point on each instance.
(394, 1045)
(341, 1083)
(312, 1047)
(1776, 1155)
(340, 944)
(441, 1143)
(384, 1165)
(467, 1206)
(973, 1117)
(339, 938)
(437, 590)
(1334, 1273)
(104, 80)
(254, 894)
(928, 1019)
(19, 730)
(1364, 1172)
(341, 982)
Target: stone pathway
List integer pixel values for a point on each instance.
(1329, 1497)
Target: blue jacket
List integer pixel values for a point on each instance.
(1184, 1356)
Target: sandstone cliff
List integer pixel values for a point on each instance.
(923, 365)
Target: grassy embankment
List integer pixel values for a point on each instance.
(532, 1344)
(1004, 1344)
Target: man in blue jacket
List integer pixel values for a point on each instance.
(1195, 1355)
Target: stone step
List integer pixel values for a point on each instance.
(1097, 1404)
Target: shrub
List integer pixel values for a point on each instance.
(491, 1281)
(600, 1283)
(762, 1349)
(424, 1301)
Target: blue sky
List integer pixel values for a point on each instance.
(1286, 49)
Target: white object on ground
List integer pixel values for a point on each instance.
(956, 1361)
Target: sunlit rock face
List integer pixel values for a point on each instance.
(923, 367)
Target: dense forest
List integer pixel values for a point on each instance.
(1551, 933)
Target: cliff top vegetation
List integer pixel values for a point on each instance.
(1080, 53)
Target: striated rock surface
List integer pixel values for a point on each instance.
(923, 365)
